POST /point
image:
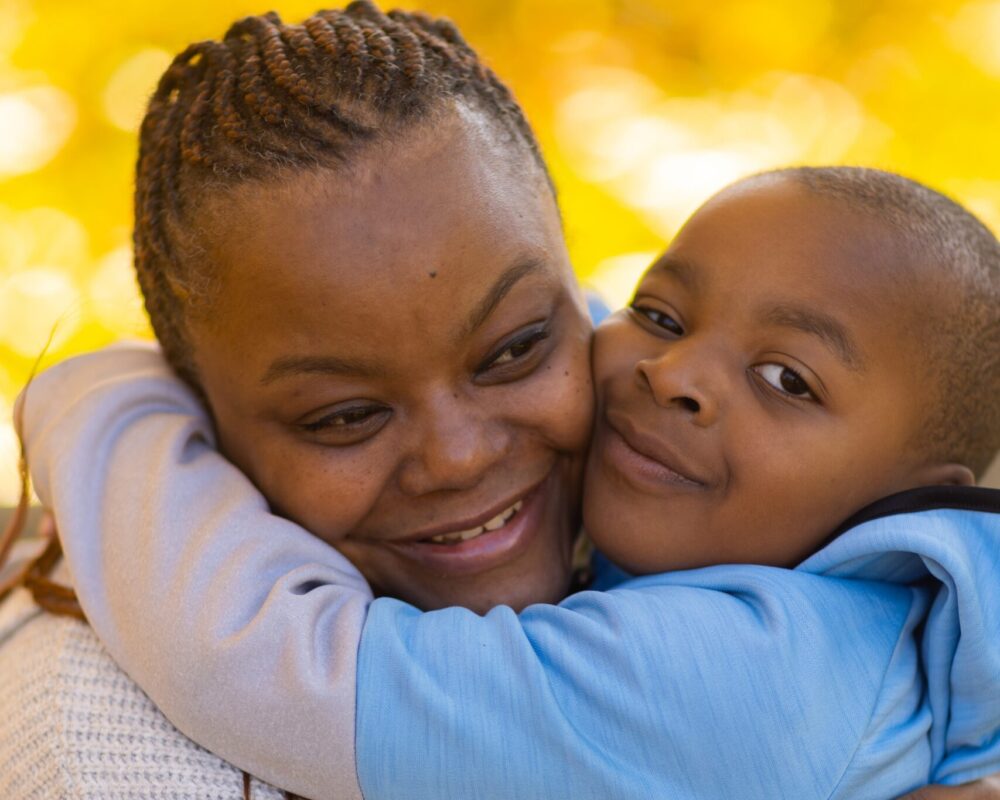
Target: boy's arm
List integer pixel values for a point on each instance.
(949, 542)
(645, 690)
(704, 684)
(242, 627)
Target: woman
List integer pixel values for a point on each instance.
(348, 223)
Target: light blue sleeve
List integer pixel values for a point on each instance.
(957, 552)
(736, 681)
(596, 307)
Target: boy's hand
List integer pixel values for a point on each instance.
(986, 789)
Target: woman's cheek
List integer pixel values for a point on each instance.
(326, 490)
(570, 397)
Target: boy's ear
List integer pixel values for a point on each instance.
(945, 474)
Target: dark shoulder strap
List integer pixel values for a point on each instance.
(925, 498)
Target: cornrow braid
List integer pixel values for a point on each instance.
(270, 99)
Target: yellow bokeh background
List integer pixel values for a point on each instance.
(643, 108)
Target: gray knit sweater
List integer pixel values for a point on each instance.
(73, 726)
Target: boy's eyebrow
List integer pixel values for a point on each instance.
(832, 332)
(287, 366)
(686, 273)
(499, 290)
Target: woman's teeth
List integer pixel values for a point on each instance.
(496, 523)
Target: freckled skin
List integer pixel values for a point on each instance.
(777, 473)
(444, 429)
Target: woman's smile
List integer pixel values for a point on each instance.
(469, 547)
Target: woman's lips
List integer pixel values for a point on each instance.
(629, 454)
(494, 523)
(501, 538)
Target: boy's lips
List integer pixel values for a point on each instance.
(646, 457)
(483, 542)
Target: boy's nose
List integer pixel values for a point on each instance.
(679, 378)
(455, 447)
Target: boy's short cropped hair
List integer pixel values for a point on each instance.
(961, 328)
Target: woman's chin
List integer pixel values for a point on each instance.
(540, 575)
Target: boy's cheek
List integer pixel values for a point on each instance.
(615, 350)
(610, 523)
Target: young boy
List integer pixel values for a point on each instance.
(814, 340)
(815, 344)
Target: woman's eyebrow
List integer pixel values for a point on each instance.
(499, 290)
(809, 320)
(287, 366)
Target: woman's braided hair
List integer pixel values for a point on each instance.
(273, 99)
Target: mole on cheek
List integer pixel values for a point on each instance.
(433, 274)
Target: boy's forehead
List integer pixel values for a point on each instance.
(765, 223)
(775, 210)
(800, 260)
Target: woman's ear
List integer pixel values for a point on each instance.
(945, 474)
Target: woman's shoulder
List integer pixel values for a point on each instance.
(73, 725)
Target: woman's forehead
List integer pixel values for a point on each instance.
(454, 293)
(342, 259)
(420, 241)
(434, 201)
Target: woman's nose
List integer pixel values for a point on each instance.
(455, 448)
(682, 378)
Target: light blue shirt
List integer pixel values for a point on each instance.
(727, 682)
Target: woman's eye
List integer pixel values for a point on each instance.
(517, 350)
(659, 318)
(785, 380)
(349, 420)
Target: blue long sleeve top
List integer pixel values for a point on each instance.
(871, 669)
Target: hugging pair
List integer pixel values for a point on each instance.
(359, 270)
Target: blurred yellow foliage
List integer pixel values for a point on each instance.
(643, 107)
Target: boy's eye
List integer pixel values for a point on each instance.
(349, 425)
(517, 350)
(659, 318)
(785, 380)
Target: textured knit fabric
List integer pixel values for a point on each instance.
(95, 429)
(726, 682)
(74, 727)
